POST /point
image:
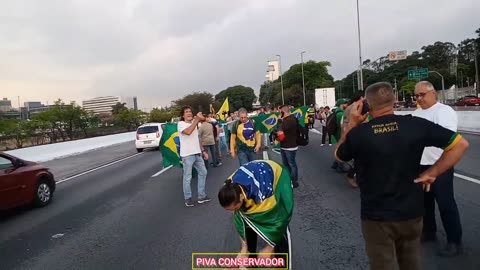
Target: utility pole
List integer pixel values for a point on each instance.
(360, 72)
(281, 79)
(303, 79)
(475, 50)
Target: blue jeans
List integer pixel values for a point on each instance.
(288, 160)
(246, 155)
(223, 145)
(212, 153)
(189, 162)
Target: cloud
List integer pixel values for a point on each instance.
(162, 50)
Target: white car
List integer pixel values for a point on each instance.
(148, 136)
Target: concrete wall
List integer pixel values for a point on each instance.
(47, 152)
(468, 121)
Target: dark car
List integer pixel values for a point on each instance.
(468, 101)
(24, 182)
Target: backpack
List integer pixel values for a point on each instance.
(332, 126)
(302, 135)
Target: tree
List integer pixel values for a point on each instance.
(239, 96)
(199, 101)
(129, 118)
(268, 91)
(408, 88)
(316, 76)
(159, 115)
(119, 107)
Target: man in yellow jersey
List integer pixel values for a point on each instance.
(245, 140)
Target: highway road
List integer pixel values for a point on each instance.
(120, 217)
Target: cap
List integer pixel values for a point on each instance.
(341, 101)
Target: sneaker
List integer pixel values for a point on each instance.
(189, 202)
(322, 144)
(329, 144)
(219, 164)
(204, 200)
(353, 182)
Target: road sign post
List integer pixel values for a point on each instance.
(420, 73)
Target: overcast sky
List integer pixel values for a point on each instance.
(160, 50)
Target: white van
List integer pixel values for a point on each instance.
(148, 136)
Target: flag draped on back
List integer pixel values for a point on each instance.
(223, 111)
(265, 123)
(170, 146)
(300, 113)
(269, 204)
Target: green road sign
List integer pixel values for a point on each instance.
(420, 73)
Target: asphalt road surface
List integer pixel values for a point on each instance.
(119, 217)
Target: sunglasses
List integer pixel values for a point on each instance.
(422, 95)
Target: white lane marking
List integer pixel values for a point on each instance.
(98, 168)
(276, 151)
(467, 178)
(315, 131)
(265, 155)
(58, 235)
(162, 171)
(289, 240)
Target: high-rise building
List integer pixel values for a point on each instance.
(5, 105)
(273, 71)
(101, 105)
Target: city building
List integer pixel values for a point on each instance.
(5, 105)
(100, 105)
(273, 71)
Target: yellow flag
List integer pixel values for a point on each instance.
(223, 111)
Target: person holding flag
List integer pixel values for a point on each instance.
(246, 139)
(193, 155)
(260, 195)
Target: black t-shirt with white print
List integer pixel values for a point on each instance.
(387, 152)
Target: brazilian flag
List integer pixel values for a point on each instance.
(265, 123)
(300, 113)
(268, 207)
(170, 146)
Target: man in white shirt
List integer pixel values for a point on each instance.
(192, 154)
(442, 190)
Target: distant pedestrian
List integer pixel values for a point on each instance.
(193, 154)
(442, 189)
(387, 151)
(323, 120)
(341, 104)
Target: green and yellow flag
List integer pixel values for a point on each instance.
(170, 146)
(265, 123)
(268, 209)
(300, 113)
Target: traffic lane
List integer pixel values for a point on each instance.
(345, 201)
(77, 202)
(68, 166)
(469, 165)
(142, 225)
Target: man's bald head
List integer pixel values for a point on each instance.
(380, 96)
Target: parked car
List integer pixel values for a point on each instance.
(24, 182)
(149, 135)
(468, 101)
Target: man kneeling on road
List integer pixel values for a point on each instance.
(387, 151)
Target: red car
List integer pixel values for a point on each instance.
(468, 101)
(24, 182)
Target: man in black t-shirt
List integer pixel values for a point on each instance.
(386, 153)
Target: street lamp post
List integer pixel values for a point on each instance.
(303, 80)
(443, 84)
(281, 80)
(360, 72)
